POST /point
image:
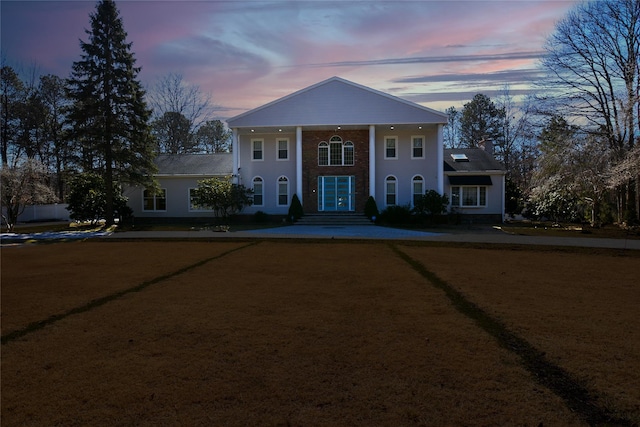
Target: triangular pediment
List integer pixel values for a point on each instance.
(337, 102)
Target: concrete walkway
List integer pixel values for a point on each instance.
(489, 235)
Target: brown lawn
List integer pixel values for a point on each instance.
(307, 333)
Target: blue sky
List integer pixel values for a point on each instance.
(247, 53)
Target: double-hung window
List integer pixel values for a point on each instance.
(154, 200)
(283, 149)
(258, 189)
(257, 149)
(417, 147)
(469, 196)
(391, 186)
(391, 147)
(417, 188)
(283, 191)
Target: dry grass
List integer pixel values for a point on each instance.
(314, 333)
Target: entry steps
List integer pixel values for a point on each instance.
(334, 219)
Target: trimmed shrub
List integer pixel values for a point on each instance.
(261, 217)
(295, 209)
(431, 203)
(371, 208)
(396, 215)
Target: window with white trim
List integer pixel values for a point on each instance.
(390, 190)
(417, 188)
(258, 191)
(283, 191)
(195, 207)
(154, 200)
(257, 149)
(391, 147)
(348, 157)
(283, 148)
(323, 154)
(336, 153)
(469, 196)
(417, 147)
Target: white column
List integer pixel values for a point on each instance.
(372, 161)
(440, 160)
(235, 148)
(299, 162)
(502, 213)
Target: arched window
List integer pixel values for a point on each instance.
(417, 188)
(323, 154)
(283, 191)
(335, 151)
(258, 191)
(391, 186)
(348, 153)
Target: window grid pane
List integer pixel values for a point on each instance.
(283, 151)
(455, 196)
(391, 148)
(257, 192)
(391, 191)
(283, 191)
(417, 147)
(323, 154)
(348, 154)
(257, 150)
(335, 154)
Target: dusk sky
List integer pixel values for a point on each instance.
(247, 53)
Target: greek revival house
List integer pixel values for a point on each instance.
(334, 144)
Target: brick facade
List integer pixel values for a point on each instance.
(311, 169)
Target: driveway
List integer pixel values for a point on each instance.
(477, 235)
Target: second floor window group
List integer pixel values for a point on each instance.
(336, 153)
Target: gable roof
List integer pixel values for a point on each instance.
(478, 160)
(194, 164)
(336, 101)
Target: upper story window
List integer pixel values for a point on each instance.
(417, 147)
(257, 149)
(258, 191)
(154, 201)
(348, 150)
(323, 154)
(283, 149)
(336, 153)
(391, 147)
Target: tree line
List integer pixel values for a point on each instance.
(572, 151)
(99, 121)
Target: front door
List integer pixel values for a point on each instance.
(336, 193)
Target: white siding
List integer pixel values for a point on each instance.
(337, 102)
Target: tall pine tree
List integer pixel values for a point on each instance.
(109, 115)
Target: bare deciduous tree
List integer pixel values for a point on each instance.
(593, 62)
(171, 94)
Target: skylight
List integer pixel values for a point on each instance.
(459, 157)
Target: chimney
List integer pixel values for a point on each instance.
(486, 145)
